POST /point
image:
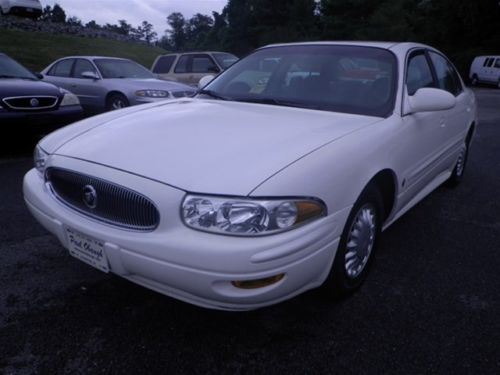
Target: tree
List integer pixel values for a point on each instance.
(197, 29)
(55, 14)
(146, 32)
(93, 25)
(124, 27)
(74, 21)
(58, 14)
(176, 33)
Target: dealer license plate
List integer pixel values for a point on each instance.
(87, 249)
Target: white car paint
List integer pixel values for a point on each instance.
(225, 148)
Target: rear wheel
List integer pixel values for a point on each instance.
(357, 244)
(458, 172)
(116, 101)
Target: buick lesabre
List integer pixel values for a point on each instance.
(277, 177)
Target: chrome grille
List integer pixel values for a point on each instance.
(31, 103)
(103, 200)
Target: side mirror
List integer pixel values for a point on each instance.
(205, 81)
(38, 75)
(90, 75)
(429, 99)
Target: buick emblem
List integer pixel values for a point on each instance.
(89, 196)
(34, 102)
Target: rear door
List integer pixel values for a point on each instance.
(454, 121)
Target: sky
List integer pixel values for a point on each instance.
(135, 11)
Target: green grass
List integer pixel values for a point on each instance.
(36, 50)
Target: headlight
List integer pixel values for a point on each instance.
(152, 93)
(39, 159)
(69, 99)
(248, 216)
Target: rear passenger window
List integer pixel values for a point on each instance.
(418, 74)
(489, 62)
(164, 64)
(497, 63)
(182, 64)
(447, 76)
(62, 68)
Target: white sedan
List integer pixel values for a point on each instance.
(278, 177)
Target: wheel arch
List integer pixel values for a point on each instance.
(470, 133)
(386, 183)
(113, 92)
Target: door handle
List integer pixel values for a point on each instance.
(442, 122)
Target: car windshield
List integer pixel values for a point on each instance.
(115, 68)
(348, 79)
(225, 60)
(11, 69)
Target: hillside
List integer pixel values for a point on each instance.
(36, 50)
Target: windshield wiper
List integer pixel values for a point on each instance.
(213, 94)
(284, 103)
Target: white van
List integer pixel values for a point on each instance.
(485, 69)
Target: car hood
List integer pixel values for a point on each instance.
(24, 87)
(149, 84)
(207, 146)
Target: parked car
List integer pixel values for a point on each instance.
(29, 8)
(190, 67)
(257, 189)
(485, 69)
(107, 83)
(30, 104)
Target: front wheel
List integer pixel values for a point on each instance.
(357, 244)
(116, 101)
(474, 81)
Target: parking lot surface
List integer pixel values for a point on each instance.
(431, 304)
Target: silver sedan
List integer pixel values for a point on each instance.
(107, 83)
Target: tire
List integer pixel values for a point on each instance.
(352, 263)
(458, 171)
(116, 101)
(474, 81)
(498, 84)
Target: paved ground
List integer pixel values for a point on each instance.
(431, 304)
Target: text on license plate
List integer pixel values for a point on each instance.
(87, 249)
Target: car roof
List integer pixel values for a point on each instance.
(93, 57)
(193, 53)
(377, 44)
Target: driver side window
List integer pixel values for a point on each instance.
(418, 74)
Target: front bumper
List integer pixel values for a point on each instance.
(193, 266)
(45, 121)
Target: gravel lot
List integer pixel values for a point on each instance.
(431, 304)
